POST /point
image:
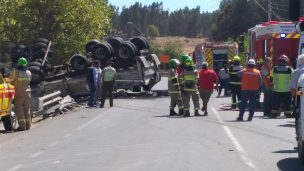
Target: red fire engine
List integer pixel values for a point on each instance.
(272, 39)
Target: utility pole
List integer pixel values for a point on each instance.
(269, 10)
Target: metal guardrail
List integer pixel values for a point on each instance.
(41, 104)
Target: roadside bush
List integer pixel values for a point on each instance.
(172, 48)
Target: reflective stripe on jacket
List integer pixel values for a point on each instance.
(189, 80)
(7, 94)
(233, 74)
(173, 81)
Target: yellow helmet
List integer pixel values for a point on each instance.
(236, 59)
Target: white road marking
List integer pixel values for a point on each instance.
(53, 144)
(67, 135)
(16, 167)
(89, 122)
(35, 155)
(235, 142)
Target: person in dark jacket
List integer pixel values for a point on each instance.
(93, 80)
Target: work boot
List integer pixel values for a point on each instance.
(205, 113)
(181, 112)
(187, 114)
(239, 119)
(196, 113)
(172, 112)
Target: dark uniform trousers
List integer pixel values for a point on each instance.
(235, 93)
(107, 89)
(281, 98)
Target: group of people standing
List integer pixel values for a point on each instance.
(185, 83)
(101, 83)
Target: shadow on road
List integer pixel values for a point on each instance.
(285, 151)
(288, 125)
(290, 164)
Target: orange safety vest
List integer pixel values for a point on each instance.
(7, 94)
(250, 79)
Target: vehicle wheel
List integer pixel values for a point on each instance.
(42, 40)
(115, 43)
(14, 121)
(136, 89)
(38, 46)
(127, 50)
(56, 77)
(89, 46)
(37, 75)
(103, 52)
(140, 42)
(35, 63)
(79, 63)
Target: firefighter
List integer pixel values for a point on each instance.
(235, 82)
(8, 92)
(23, 95)
(108, 80)
(251, 81)
(189, 81)
(174, 88)
(265, 72)
(281, 76)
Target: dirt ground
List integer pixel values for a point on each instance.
(188, 43)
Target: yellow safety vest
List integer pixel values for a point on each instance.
(7, 94)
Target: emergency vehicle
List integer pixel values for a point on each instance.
(215, 54)
(272, 39)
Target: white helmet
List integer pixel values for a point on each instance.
(251, 62)
(300, 60)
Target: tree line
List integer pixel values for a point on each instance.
(232, 18)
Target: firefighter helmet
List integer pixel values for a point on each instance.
(236, 59)
(173, 63)
(183, 58)
(284, 58)
(188, 62)
(22, 61)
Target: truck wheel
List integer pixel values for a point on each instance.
(35, 63)
(140, 42)
(37, 75)
(42, 40)
(115, 42)
(103, 52)
(127, 50)
(301, 149)
(90, 44)
(79, 63)
(14, 121)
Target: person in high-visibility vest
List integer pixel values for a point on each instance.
(251, 82)
(108, 79)
(235, 82)
(23, 95)
(189, 81)
(7, 94)
(174, 89)
(281, 77)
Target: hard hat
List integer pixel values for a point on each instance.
(236, 59)
(251, 62)
(188, 62)
(183, 58)
(300, 60)
(204, 65)
(284, 58)
(22, 61)
(173, 63)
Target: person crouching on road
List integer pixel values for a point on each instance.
(189, 81)
(174, 89)
(207, 79)
(108, 79)
(23, 95)
(251, 82)
(93, 80)
(8, 94)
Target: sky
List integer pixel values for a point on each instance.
(172, 5)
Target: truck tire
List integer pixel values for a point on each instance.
(37, 75)
(79, 63)
(35, 63)
(140, 42)
(127, 50)
(56, 77)
(42, 40)
(38, 46)
(103, 52)
(89, 46)
(115, 42)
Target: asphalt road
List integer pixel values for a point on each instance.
(137, 134)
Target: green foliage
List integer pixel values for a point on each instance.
(69, 24)
(172, 48)
(153, 31)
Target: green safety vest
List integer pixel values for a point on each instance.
(189, 80)
(281, 76)
(109, 74)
